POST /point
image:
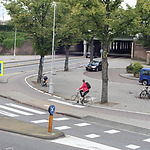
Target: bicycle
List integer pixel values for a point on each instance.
(145, 93)
(76, 98)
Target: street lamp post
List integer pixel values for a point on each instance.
(51, 89)
(15, 42)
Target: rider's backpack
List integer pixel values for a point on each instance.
(88, 85)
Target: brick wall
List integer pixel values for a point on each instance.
(26, 49)
(140, 52)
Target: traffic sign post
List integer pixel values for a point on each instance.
(1, 68)
(51, 111)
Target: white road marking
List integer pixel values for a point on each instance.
(83, 144)
(15, 110)
(147, 140)
(65, 103)
(131, 146)
(92, 136)
(82, 124)
(112, 131)
(25, 108)
(8, 114)
(39, 121)
(61, 119)
(62, 128)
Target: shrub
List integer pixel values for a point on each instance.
(136, 68)
(129, 68)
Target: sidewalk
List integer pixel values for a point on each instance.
(66, 84)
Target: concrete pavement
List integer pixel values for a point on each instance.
(122, 98)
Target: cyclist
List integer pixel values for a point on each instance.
(83, 90)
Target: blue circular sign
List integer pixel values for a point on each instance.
(51, 109)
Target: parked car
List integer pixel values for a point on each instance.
(88, 55)
(94, 65)
(145, 76)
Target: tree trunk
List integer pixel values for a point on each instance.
(40, 72)
(66, 60)
(104, 97)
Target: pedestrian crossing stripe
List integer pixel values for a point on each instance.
(15, 110)
(25, 108)
(8, 114)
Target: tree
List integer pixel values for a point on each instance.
(34, 17)
(7, 39)
(67, 31)
(143, 10)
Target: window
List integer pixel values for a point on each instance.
(146, 72)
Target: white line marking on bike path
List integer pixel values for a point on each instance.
(65, 103)
(82, 143)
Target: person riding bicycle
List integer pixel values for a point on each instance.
(83, 90)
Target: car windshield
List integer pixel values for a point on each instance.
(94, 62)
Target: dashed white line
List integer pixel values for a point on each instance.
(40, 121)
(62, 127)
(147, 140)
(82, 124)
(112, 131)
(131, 146)
(92, 136)
(65, 103)
(61, 119)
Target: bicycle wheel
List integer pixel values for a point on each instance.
(88, 101)
(74, 99)
(143, 94)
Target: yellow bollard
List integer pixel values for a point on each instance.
(50, 124)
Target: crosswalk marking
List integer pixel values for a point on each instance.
(40, 121)
(15, 110)
(8, 114)
(83, 144)
(25, 108)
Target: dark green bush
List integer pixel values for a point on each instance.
(129, 68)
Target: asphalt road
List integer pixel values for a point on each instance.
(80, 133)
